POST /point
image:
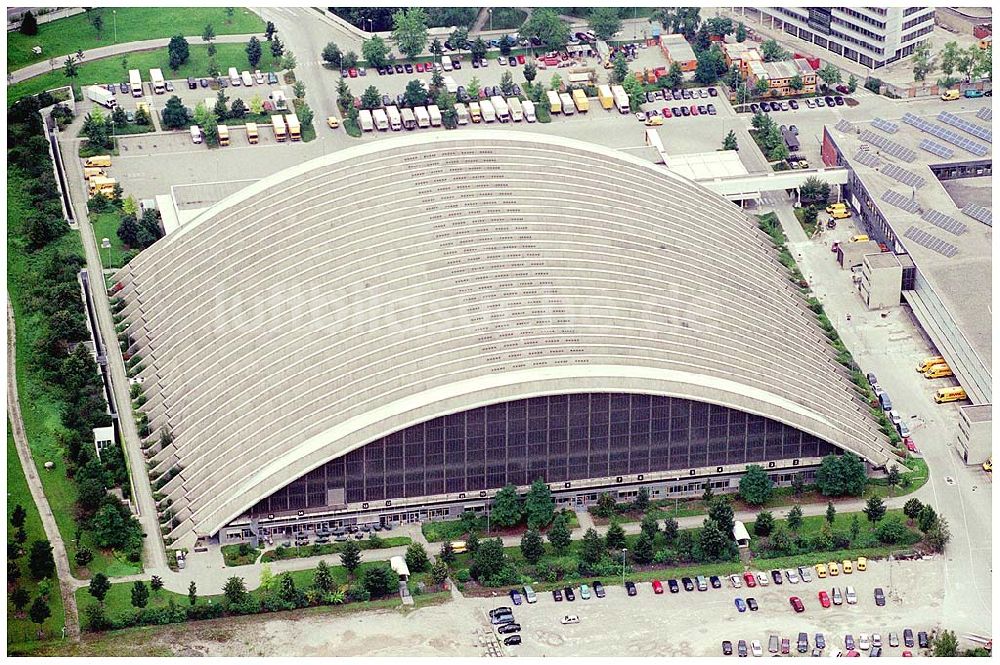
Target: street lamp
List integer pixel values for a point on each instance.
(490, 10)
(106, 244)
(623, 565)
(114, 15)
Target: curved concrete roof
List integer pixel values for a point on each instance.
(404, 279)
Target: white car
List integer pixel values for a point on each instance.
(838, 598)
(792, 576)
(756, 649)
(735, 581)
(876, 640)
(852, 597)
(762, 579)
(811, 104)
(864, 642)
(570, 618)
(805, 574)
(904, 429)
(641, 117)
(895, 417)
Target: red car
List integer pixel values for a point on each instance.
(912, 447)
(657, 586)
(796, 603)
(824, 599)
(419, 66)
(353, 73)
(694, 109)
(834, 247)
(520, 59)
(666, 112)
(853, 654)
(749, 579)
(907, 654)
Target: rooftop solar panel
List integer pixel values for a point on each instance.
(902, 175)
(885, 125)
(943, 221)
(985, 113)
(868, 159)
(900, 201)
(979, 213)
(949, 135)
(978, 131)
(930, 242)
(890, 148)
(843, 126)
(936, 148)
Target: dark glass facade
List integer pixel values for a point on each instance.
(557, 438)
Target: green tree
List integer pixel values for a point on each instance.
(927, 518)
(730, 143)
(778, 153)
(795, 83)
(772, 51)
(831, 513)
(594, 548)
(20, 598)
(545, 24)
(70, 70)
(371, 98)
(234, 590)
(841, 475)
(829, 74)
(619, 68)
(649, 525)
(894, 477)
(615, 537)
(344, 97)
(721, 512)
(635, 91)
(350, 556)
(299, 89)
(238, 109)
(606, 506)
(539, 505)
(221, 109)
(949, 58)
(670, 529)
(29, 24)
(720, 27)
(488, 560)
(559, 535)
(380, 581)
(855, 527)
(97, 20)
(415, 95)
(507, 510)
(710, 65)
(555, 83)
(254, 52)
(409, 31)
(674, 77)
(332, 55)
(277, 48)
(416, 558)
(507, 84)
(852, 83)
(922, 62)
(478, 49)
(946, 645)
(41, 564)
(714, 540)
(436, 48)
(472, 542)
(439, 572)
(288, 60)
(755, 485)
(140, 594)
(532, 547)
(643, 550)
(99, 586)
(605, 22)
(506, 44)
(178, 51)
(764, 524)
(641, 501)
(912, 508)
(891, 531)
(375, 51)
(39, 611)
(447, 553)
(814, 190)
(192, 593)
(794, 519)
(459, 37)
(155, 583)
(702, 39)
(323, 579)
(741, 33)
(938, 535)
(19, 515)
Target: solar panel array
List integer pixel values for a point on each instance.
(900, 201)
(936, 148)
(891, 148)
(985, 113)
(868, 159)
(943, 221)
(930, 242)
(979, 213)
(948, 135)
(843, 126)
(906, 177)
(978, 131)
(885, 125)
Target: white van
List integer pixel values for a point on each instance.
(446, 63)
(529, 594)
(196, 133)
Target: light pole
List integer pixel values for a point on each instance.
(623, 565)
(114, 16)
(490, 10)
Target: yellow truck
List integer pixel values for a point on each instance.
(278, 122)
(253, 136)
(474, 111)
(950, 96)
(927, 363)
(555, 105)
(605, 96)
(294, 128)
(101, 185)
(939, 371)
(953, 394)
(91, 171)
(223, 134)
(98, 160)
(580, 100)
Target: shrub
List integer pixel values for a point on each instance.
(463, 575)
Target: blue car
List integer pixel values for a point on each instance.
(515, 596)
(740, 605)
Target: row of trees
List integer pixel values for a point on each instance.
(971, 62)
(41, 571)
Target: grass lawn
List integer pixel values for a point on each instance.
(65, 36)
(808, 227)
(109, 70)
(20, 630)
(40, 410)
(106, 226)
(914, 468)
(438, 532)
(281, 553)
(231, 555)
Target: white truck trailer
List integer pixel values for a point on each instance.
(500, 106)
(380, 118)
(423, 117)
(450, 84)
(516, 111)
(409, 118)
(395, 120)
(463, 113)
(529, 110)
(135, 82)
(365, 118)
(489, 113)
(246, 78)
(621, 99)
(435, 113)
(567, 103)
(234, 77)
(101, 95)
(159, 85)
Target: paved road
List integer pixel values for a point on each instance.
(65, 577)
(154, 556)
(106, 51)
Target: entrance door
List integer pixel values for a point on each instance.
(413, 517)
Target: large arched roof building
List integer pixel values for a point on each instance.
(415, 319)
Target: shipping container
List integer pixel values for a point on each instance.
(223, 135)
(580, 101)
(621, 99)
(294, 128)
(101, 95)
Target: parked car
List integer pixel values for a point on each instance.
(829, 101)
(741, 648)
(557, 595)
(570, 618)
(715, 582)
(688, 584)
(796, 604)
(876, 640)
(879, 597)
(694, 109)
(849, 642)
(755, 109)
(657, 586)
(792, 576)
(515, 596)
(839, 100)
(819, 641)
(456, 64)
(712, 92)
(773, 644)
(838, 598)
(850, 595)
(876, 652)
(805, 574)
(508, 628)
(512, 640)
(272, 78)
(862, 564)
(893, 640)
(727, 648)
(741, 605)
(864, 642)
(512, 61)
(685, 94)
(749, 578)
(775, 106)
(711, 109)
(824, 598)
(570, 596)
(794, 104)
(762, 578)
(701, 582)
(786, 647)
(776, 576)
(584, 592)
(756, 649)
(674, 587)
(599, 589)
(629, 588)
(735, 581)
(843, 89)
(810, 103)
(908, 637)
(752, 604)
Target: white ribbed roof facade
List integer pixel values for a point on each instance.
(404, 279)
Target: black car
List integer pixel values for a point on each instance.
(741, 648)
(192, 83)
(387, 100)
(922, 641)
(223, 82)
(715, 582)
(752, 604)
(512, 640)
(794, 104)
(876, 652)
(475, 64)
(802, 644)
(676, 94)
(829, 101)
(381, 71)
(685, 111)
(508, 628)
(776, 576)
(839, 100)
(517, 90)
(343, 73)
(512, 61)
(712, 92)
(557, 595)
(456, 64)
(685, 94)
(399, 69)
(399, 100)
(711, 109)
(501, 618)
(599, 589)
(879, 597)
(675, 111)
(408, 68)
(754, 109)
(674, 588)
(123, 87)
(908, 637)
(727, 648)
(688, 584)
(570, 596)
(775, 106)
(650, 97)
(849, 642)
(819, 640)
(630, 588)
(872, 379)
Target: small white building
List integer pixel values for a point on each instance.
(104, 437)
(398, 564)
